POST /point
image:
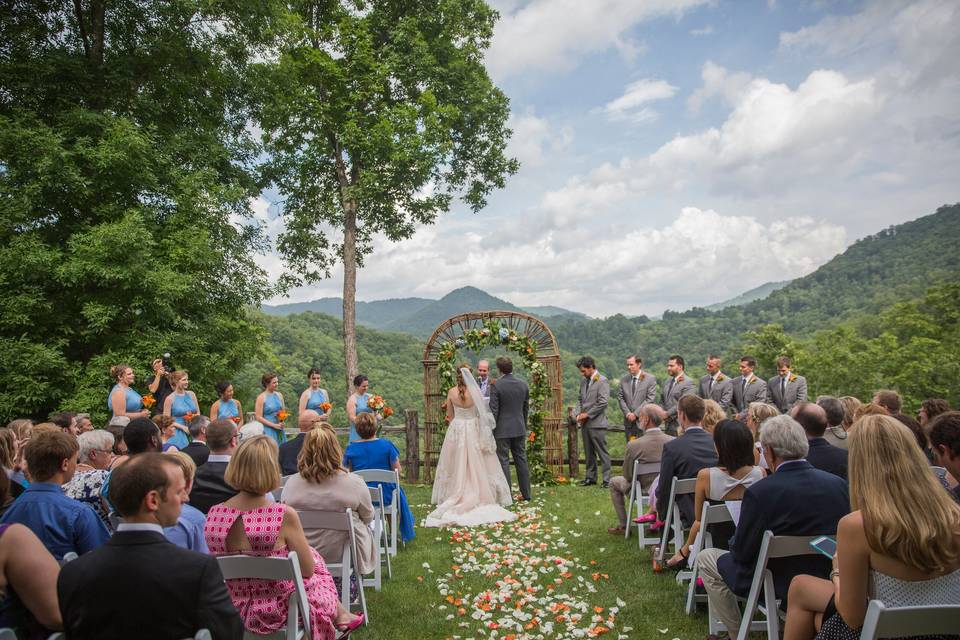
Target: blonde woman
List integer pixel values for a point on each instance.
(713, 413)
(182, 406)
(850, 406)
(900, 545)
(757, 414)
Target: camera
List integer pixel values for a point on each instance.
(165, 361)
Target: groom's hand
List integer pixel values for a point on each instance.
(582, 418)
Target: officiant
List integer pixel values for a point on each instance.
(483, 378)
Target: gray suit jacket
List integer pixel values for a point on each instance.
(796, 391)
(682, 386)
(593, 401)
(645, 393)
(755, 391)
(722, 392)
(510, 404)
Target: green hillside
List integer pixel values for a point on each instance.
(377, 313)
(423, 322)
(757, 293)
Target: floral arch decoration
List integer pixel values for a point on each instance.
(527, 338)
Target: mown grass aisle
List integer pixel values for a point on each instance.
(555, 572)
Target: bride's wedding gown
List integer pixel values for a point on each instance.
(470, 488)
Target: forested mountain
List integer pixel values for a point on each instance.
(376, 314)
(757, 293)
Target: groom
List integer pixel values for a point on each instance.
(510, 404)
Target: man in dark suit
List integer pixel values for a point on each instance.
(290, 449)
(797, 500)
(685, 456)
(510, 405)
(822, 454)
(198, 449)
(209, 487)
(101, 593)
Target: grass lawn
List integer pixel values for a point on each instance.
(561, 536)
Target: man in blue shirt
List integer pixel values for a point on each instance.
(61, 523)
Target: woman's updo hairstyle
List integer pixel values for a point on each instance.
(222, 386)
(118, 370)
(359, 380)
(176, 377)
(266, 378)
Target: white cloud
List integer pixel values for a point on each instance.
(632, 104)
(555, 35)
(533, 134)
(703, 31)
(717, 81)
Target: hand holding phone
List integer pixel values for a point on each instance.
(825, 545)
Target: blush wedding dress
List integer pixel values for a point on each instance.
(469, 488)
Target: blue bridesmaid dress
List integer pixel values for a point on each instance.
(316, 399)
(182, 405)
(227, 410)
(134, 400)
(272, 405)
(362, 407)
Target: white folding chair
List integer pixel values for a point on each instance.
(771, 547)
(298, 614)
(900, 622)
(674, 523)
(391, 512)
(348, 566)
(710, 514)
(641, 501)
(380, 533)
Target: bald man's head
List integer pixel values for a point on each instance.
(812, 417)
(308, 420)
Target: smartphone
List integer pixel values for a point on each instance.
(825, 545)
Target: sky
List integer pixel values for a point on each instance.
(676, 153)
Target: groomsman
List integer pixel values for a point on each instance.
(677, 386)
(747, 387)
(483, 378)
(716, 385)
(637, 389)
(786, 388)
(591, 416)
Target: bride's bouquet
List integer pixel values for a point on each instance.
(380, 408)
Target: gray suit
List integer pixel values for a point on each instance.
(673, 390)
(796, 391)
(720, 392)
(754, 391)
(594, 396)
(631, 399)
(510, 405)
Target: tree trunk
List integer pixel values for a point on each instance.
(350, 291)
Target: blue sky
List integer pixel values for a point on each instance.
(678, 152)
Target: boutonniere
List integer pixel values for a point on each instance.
(752, 380)
(642, 376)
(680, 378)
(721, 378)
(793, 378)
(596, 377)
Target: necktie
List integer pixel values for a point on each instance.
(710, 388)
(633, 386)
(743, 388)
(670, 386)
(783, 388)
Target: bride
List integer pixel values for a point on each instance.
(470, 488)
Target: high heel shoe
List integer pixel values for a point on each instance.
(348, 628)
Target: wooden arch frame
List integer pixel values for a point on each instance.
(547, 353)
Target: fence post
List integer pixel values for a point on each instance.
(573, 445)
(413, 446)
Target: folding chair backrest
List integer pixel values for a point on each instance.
(234, 567)
(899, 622)
(283, 480)
(685, 486)
(7, 634)
(712, 514)
(379, 475)
(678, 487)
(645, 469)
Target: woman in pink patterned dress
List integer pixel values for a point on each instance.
(250, 524)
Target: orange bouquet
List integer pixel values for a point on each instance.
(282, 415)
(325, 407)
(387, 412)
(149, 400)
(376, 403)
(188, 416)
(235, 420)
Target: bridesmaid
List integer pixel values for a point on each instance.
(313, 396)
(124, 401)
(227, 407)
(358, 404)
(178, 405)
(269, 406)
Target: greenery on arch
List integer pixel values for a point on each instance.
(492, 334)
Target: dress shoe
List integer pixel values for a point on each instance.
(586, 483)
(605, 485)
(616, 531)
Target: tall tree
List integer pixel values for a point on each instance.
(125, 174)
(375, 116)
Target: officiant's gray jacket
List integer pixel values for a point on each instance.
(594, 396)
(509, 404)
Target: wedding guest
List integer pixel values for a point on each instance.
(235, 527)
(904, 557)
(930, 409)
(713, 413)
(637, 389)
(269, 407)
(591, 415)
(290, 450)
(677, 386)
(889, 399)
(371, 452)
(748, 387)
(795, 500)
(62, 524)
(757, 413)
(821, 454)
(187, 533)
(9, 455)
(84, 423)
(226, 406)
(716, 385)
(198, 449)
(945, 441)
(786, 388)
(123, 400)
(835, 434)
(645, 450)
(357, 404)
(101, 592)
(870, 409)
(728, 481)
(115, 427)
(250, 430)
(94, 460)
(67, 421)
(22, 430)
(140, 436)
(209, 485)
(168, 431)
(850, 407)
(313, 397)
(918, 433)
(322, 484)
(182, 405)
(685, 456)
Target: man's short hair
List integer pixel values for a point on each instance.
(890, 400)
(714, 356)
(785, 436)
(504, 365)
(586, 362)
(812, 418)
(197, 425)
(139, 435)
(219, 434)
(134, 479)
(636, 358)
(654, 413)
(783, 361)
(678, 360)
(750, 361)
(62, 419)
(692, 407)
(945, 430)
(834, 409)
(934, 407)
(46, 452)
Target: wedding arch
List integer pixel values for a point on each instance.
(526, 338)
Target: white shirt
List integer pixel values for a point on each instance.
(717, 375)
(219, 457)
(139, 526)
(654, 430)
